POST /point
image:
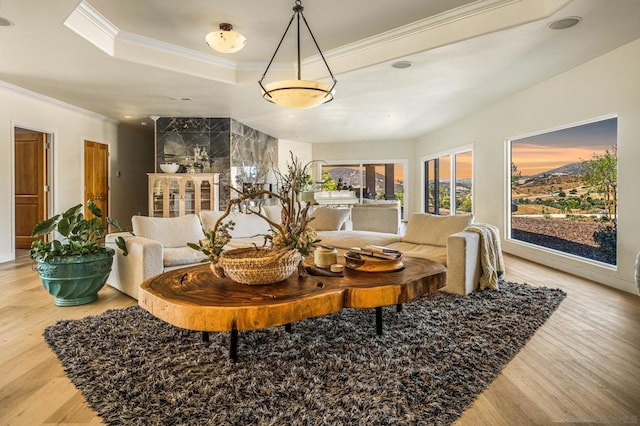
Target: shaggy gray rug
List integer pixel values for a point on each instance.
(434, 358)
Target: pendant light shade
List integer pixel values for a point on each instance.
(298, 93)
(225, 40)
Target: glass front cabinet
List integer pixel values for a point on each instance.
(178, 194)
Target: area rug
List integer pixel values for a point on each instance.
(432, 361)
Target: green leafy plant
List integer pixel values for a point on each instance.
(81, 236)
(214, 240)
(328, 183)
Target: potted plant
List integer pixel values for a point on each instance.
(76, 267)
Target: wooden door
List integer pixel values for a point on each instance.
(96, 177)
(30, 181)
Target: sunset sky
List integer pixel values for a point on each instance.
(537, 154)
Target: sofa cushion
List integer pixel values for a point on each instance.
(246, 224)
(424, 228)
(177, 256)
(169, 231)
(348, 239)
(435, 253)
(329, 219)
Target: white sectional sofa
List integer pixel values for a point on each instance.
(160, 243)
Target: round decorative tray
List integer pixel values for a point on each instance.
(364, 263)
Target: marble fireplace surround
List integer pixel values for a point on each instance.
(240, 154)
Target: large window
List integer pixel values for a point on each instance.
(564, 190)
(369, 180)
(448, 183)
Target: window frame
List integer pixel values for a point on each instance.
(509, 199)
(361, 164)
(462, 149)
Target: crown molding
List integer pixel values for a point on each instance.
(97, 19)
(175, 50)
(54, 102)
(94, 27)
(87, 22)
(91, 25)
(409, 30)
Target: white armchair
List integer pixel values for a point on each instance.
(159, 245)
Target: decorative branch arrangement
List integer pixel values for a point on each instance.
(293, 233)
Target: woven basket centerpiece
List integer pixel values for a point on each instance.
(259, 266)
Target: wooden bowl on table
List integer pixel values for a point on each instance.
(359, 262)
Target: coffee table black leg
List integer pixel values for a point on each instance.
(379, 320)
(233, 347)
(205, 336)
(288, 328)
(399, 307)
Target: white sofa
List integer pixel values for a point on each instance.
(438, 238)
(160, 243)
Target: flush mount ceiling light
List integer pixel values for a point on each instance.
(298, 93)
(225, 40)
(562, 24)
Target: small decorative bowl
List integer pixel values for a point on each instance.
(169, 167)
(363, 263)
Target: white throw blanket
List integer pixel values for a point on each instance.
(491, 258)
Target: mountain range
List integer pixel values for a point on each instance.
(567, 169)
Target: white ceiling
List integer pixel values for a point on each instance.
(129, 57)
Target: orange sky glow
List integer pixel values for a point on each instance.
(547, 151)
(534, 159)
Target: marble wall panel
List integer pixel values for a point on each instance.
(237, 152)
(254, 155)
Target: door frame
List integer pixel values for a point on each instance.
(49, 138)
(83, 171)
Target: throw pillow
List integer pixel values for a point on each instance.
(169, 231)
(246, 225)
(429, 229)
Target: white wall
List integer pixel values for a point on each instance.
(607, 85)
(300, 150)
(70, 127)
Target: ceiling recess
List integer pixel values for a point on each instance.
(402, 64)
(564, 23)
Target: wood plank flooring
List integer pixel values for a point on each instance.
(582, 366)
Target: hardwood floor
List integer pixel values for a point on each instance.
(582, 366)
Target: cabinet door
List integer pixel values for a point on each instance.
(172, 195)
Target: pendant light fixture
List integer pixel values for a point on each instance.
(298, 93)
(225, 40)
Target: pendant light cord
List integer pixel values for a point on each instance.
(297, 11)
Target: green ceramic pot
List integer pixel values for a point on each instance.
(76, 280)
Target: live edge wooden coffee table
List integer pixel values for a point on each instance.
(195, 299)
